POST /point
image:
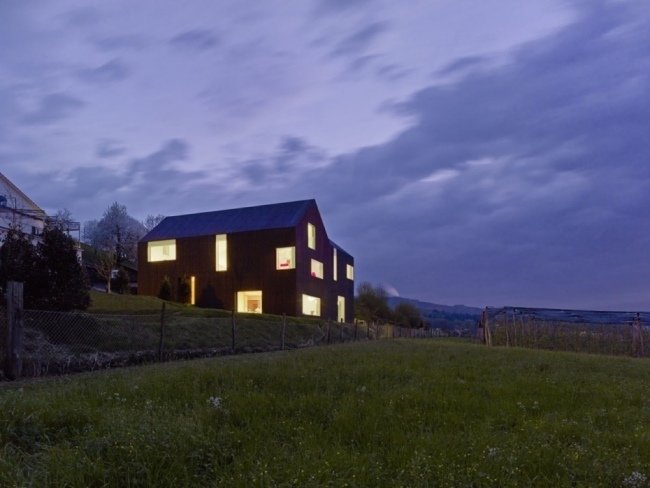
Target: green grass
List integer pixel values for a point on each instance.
(384, 413)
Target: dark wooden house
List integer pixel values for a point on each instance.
(272, 258)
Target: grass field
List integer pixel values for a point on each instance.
(407, 413)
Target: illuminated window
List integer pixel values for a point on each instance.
(349, 272)
(310, 305)
(335, 265)
(340, 309)
(161, 250)
(249, 301)
(311, 236)
(316, 269)
(285, 258)
(193, 290)
(222, 252)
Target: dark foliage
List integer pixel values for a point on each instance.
(165, 292)
(60, 280)
(18, 261)
(407, 315)
(120, 284)
(184, 290)
(371, 303)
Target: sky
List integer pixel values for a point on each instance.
(483, 152)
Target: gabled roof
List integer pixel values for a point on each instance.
(263, 217)
(20, 193)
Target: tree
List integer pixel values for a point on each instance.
(18, 261)
(371, 303)
(105, 263)
(60, 281)
(120, 281)
(116, 232)
(165, 292)
(407, 315)
(151, 221)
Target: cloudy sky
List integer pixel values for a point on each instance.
(485, 152)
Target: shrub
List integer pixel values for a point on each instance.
(165, 292)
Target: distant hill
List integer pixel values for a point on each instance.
(451, 317)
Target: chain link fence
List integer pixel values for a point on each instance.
(67, 342)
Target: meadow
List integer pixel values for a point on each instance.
(409, 413)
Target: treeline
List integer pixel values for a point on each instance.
(371, 306)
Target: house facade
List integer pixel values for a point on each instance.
(17, 209)
(272, 258)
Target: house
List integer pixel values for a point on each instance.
(272, 258)
(17, 209)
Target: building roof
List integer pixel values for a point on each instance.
(19, 192)
(262, 217)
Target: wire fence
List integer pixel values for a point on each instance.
(53, 343)
(612, 333)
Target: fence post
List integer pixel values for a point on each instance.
(13, 359)
(329, 325)
(341, 331)
(232, 332)
(284, 326)
(162, 332)
(356, 326)
(368, 330)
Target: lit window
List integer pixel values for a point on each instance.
(310, 305)
(249, 301)
(316, 269)
(161, 250)
(285, 258)
(222, 252)
(193, 290)
(311, 236)
(340, 309)
(349, 272)
(335, 265)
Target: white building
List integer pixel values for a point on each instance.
(16, 208)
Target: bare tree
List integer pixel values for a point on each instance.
(151, 221)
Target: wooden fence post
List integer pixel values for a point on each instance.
(368, 330)
(14, 349)
(341, 331)
(329, 325)
(162, 332)
(356, 326)
(232, 332)
(284, 326)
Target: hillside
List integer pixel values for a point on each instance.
(448, 317)
(377, 414)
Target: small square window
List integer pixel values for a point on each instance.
(311, 305)
(316, 269)
(285, 258)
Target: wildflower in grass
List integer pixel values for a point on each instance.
(491, 452)
(635, 480)
(215, 402)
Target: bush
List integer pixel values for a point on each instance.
(120, 284)
(184, 290)
(165, 292)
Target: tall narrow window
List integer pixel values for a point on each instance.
(192, 290)
(249, 301)
(285, 258)
(310, 305)
(161, 250)
(349, 272)
(335, 265)
(316, 269)
(311, 236)
(340, 309)
(222, 252)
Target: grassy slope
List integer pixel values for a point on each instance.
(386, 413)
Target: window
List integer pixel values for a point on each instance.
(193, 290)
(285, 258)
(340, 309)
(249, 301)
(335, 265)
(222, 252)
(316, 269)
(310, 305)
(311, 236)
(161, 251)
(349, 272)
